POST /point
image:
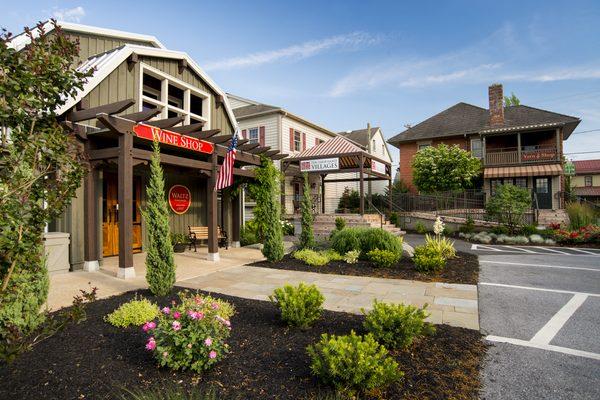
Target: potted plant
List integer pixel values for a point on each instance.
(179, 241)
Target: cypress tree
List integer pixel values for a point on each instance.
(307, 238)
(160, 266)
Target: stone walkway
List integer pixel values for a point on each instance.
(451, 304)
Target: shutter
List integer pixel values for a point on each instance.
(303, 141)
(244, 135)
(316, 141)
(291, 139)
(261, 135)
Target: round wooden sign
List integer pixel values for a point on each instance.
(180, 199)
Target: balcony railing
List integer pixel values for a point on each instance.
(510, 155)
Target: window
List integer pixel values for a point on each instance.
(253, 135)
(173, 96)
(520, 182)
(424, 145)
(373, 146)
(588, 180)
(494, 183)
(476, 148)
(541, 185)
(297, 141)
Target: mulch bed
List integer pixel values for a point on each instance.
(94, 360)
(463, 269)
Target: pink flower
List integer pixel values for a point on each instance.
(151, 345)
(176, 325)
(192, 314)
(176, 315)
(166, 310)
(215, 306)
(212, 354)
(148, 326)
(208, 342)
(227, 323)
(199, 315)
(199, 300)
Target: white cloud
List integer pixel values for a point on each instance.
(349, 41)
(74, 14)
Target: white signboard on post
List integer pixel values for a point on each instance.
(377, 166)
(322, 164)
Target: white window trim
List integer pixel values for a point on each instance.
(299, 142)
(481, 148)
(426, 143)
(188, 89)
(257, 134)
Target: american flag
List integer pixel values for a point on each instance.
(225, 177)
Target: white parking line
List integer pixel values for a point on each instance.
(558, 320)
(483, 247)
(558, 349)
(536, 288)
(540, 250)
(583, 251)
(520, 248)
(550, 249)
(537, 265)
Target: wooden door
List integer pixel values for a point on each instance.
(110, 216)
(543, 191)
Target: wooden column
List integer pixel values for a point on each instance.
(125, 198)
(90, 225)
(362, 186)
(519, 147)
(323, 194)
(213, 241)
(226, 210)
(236, 219)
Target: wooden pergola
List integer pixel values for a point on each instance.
(350, 158)
(117, 142)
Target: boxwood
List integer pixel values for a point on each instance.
(365, 240)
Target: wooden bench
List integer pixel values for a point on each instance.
(197, 233)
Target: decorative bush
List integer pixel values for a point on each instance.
(394, 218)
(468, 227)
(499, 230)
(160, 265)
(365, 240)
(332, 255)
(420, 227)
(397, 325)
(190, 334)
(528, 230)
(536, 239)
(586, 234)
(134, 312)
(340, 223)
(508, 205)
(353, 363)
(428, 259)
(287, 227)
(441, 245)
(580, 215)
(179, 238)
(311, 257)
(351, 257)
(300, 305)
(482, 237)
(383, 258)
(249, 234)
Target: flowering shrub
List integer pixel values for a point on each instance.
(585, 234)
(397, 325)
(134, 312)
(190, 334)
(353, 363)
(351, 257)
(300, 305)
(442, 245)
(287, 227)
(383, 258)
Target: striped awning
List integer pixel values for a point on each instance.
(523, 170)
(332, 147)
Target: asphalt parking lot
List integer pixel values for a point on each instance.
(540, 311)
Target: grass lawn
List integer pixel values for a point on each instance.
(268, 360)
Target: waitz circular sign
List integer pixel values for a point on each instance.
(180, 199)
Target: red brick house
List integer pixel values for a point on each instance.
(517, 144)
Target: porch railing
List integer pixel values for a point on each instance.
(510, 155)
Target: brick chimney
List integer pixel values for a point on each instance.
(496, 96)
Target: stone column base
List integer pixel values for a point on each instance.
(235, 244)
(126, 273)
(215, 257)
(91, 266)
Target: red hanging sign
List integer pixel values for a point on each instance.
(180, 199)
(173, 138)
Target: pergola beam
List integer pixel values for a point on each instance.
(185, 129)
(248, 146)
(165, 123)
(260, 150)
(270, 153)
(142, 115)
(204, 134)
(278, 156)
(90, 113)
(219, 139)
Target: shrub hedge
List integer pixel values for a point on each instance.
(365, 240)
(300, 305)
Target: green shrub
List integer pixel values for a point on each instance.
(190, 334)
(394, 218)
(340, 223)
(134, 312)
(351, 257)
(311, 257)
(300, 305)
(528, 230)
(580, 215)
(396, 325)
(420, 227)
(287, 227)
(353, 363)
(448, 231)
(383, 258)
(441, 245)
(248, 233)
(170, 393)
(365, 240)
(508, 205)
(179, 238)
(332, 255)
(428, 259)
(468, 227)
(499, 230)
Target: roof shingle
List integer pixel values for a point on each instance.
(586, 166)
(359, 135)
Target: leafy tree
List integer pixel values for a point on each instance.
(511, 100)
(509, 205)
(160, 266)
(444, 168)
(265, 190)
(350, 200)
(307, 238)
(40, 168)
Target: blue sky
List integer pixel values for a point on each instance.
(345, 63)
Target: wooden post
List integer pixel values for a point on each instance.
(236, 222)
(125, 198)
(213, 241)
(362, 186)
(226, 210)
(90, 228)
(519, 147)
(323, 194)
(390, 200)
